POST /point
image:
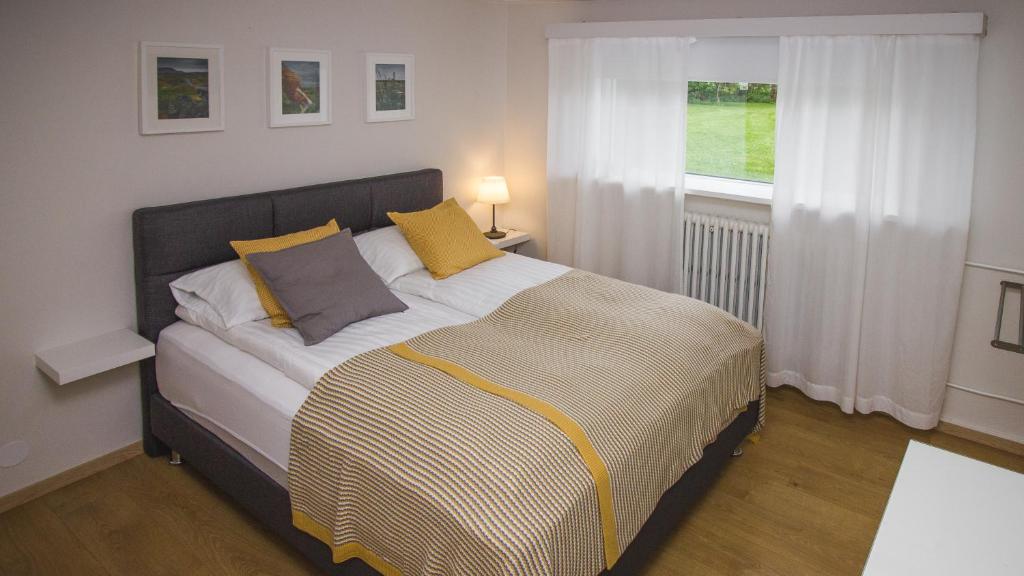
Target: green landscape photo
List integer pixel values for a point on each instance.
(730, 130)
(300, 87)
(390, 87)
(182, 88)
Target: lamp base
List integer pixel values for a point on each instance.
(495, 234)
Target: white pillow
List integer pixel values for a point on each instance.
(205, 318)
(224, 294)
(388, 253)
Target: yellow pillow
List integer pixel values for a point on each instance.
(445, 238)
(278, 317)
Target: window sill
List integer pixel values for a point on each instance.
(728, 189)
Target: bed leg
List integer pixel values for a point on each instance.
(737, 451)
(175, 459)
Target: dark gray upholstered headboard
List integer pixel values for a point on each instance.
(171, 241)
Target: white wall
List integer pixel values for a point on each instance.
(74, 166)
(997, 234)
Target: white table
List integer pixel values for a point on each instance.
(513, 239)
(89, 357)
(949, 514)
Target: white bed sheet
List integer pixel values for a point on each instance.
(244, 401)
(479, 290)
(283, 349)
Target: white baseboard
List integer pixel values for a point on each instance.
(984, 412)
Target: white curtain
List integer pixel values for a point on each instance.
(874, 167)
(616, 156)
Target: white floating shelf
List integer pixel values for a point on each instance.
(512, 238)
(88, 357)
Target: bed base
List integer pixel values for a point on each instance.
(268, 501)
(170, 241)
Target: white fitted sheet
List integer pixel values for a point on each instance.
(241, 399)
(283, 349)
(479, 290)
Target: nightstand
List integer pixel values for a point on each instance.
(513, 239)
(88, 357)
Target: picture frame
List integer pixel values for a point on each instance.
(299, 87)
(181, 87)
(390, 87)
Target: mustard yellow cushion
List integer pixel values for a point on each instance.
(278, 317)
(445, 238)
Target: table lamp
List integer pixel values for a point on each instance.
(493, 190)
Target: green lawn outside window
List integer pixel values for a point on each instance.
(728, 137)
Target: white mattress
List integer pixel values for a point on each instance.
(241, 399)
(484, 287)
(283, 349)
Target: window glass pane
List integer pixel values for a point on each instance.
(730, 130)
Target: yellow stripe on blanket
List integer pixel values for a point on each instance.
(346, 551)
(567, 425)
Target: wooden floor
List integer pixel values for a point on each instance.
(806, 499)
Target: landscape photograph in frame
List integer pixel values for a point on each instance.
(390, 87)
(299, 87)
(180, 88)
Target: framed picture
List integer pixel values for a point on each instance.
(390, 87)
(181, 88)
(300, 87)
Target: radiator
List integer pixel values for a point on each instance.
(725, 262)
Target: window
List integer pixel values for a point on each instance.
(730, 131)
(730, 150)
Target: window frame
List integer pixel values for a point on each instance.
(729, 189)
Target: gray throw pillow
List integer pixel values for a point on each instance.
(325, 286)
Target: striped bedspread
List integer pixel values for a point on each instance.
(536, 440)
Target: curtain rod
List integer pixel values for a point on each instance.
(946, 23)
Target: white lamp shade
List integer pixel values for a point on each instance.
(493, 190)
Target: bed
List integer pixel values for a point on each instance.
(231, 410)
